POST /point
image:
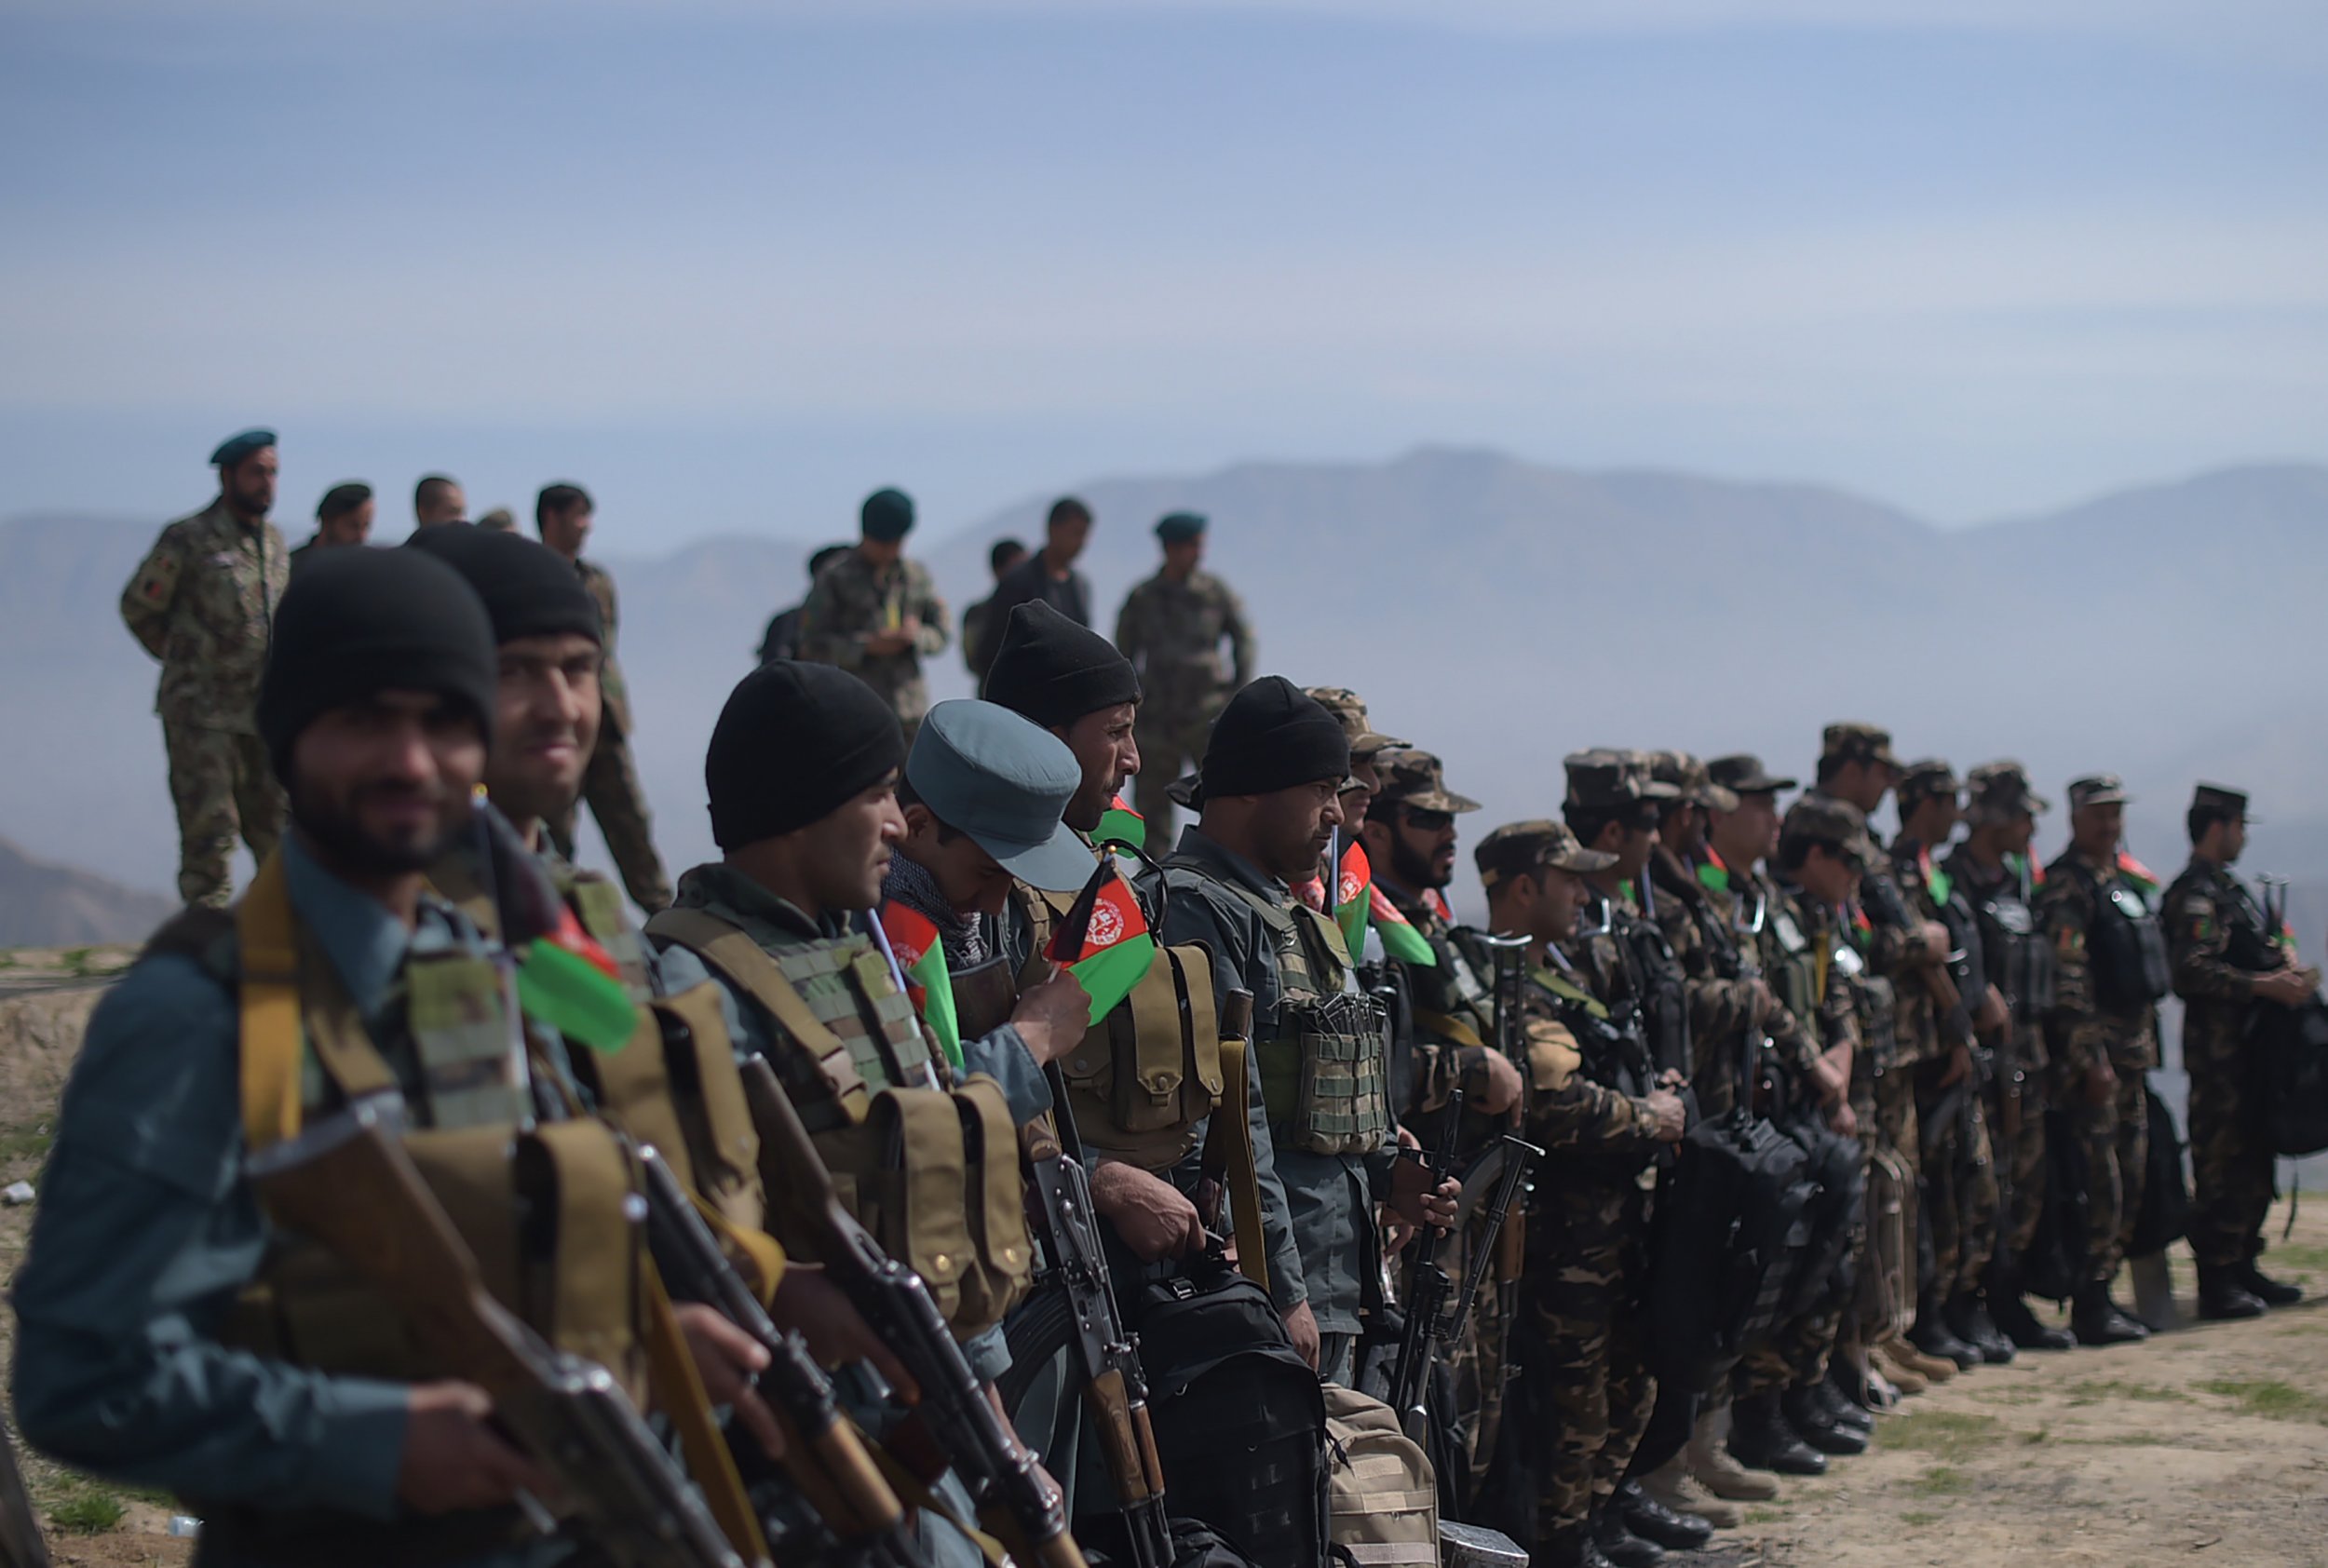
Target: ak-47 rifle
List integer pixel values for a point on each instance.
(348, 1184)
(957, 1421)
(859, 1519)
(1426, 1288)
(1519, 1157)
(1509, 958)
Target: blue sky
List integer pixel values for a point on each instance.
(732, 264)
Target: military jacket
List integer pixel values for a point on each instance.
(2216, 934)
(2017, 958)
(1173, 633)
(614, 692)
(203, 602)
(1888, 945)
(1716, 921)
(852, 601)
(2079, 1031)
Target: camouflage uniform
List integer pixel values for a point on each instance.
(203, 602)
(851, 600)
(611, 782)
(1173, 633)
(2081, 1032)
(2220, 942)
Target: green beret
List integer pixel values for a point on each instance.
(888, 515)
(234, 449)
(1178, 528)
(342, 499)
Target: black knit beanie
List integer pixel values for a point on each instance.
(358, 622)
(1054, 671)
(529, 589)
(794, 743)
(1273, 735)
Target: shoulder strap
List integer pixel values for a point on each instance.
(741, 960)
(270, 1008)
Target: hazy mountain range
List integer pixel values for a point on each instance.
(1499, 612)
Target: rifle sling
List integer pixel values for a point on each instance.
(1449, 1027)
(1228, 1156)
(683, 1399)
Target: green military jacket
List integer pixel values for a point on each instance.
(2219, 942)
(612, 689)
(852, 600)
(1172, 634)
(2080, 1031)
(203, 602)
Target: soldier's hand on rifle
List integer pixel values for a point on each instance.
(1842, 1120)
(1503, 1086)
(456, 1458)
(1417, 1200)
(1996, 1015)
(819, 1311)
(1300, 1327)
(2290, 988)
(1932, 938)
(1959, 1067)
(727, 1359)
(1148, 1212)
(1668, 1117)
(1051, 1017)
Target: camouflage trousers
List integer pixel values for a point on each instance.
(2116, 1138)
(1894, 1124)
(611, 786)
(1959, 1186)
(1584, 1354)
(1172, 742)
(2230, 1163)
(223, 787)
(1477, 1358)
(2020, 1164)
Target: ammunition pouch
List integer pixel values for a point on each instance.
(1323, 1076)
(674, 1085)
(1148, 1074)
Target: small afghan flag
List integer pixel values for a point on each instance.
(1713, 874)
(928, 983)
(1350, 900)
(1399, 939)
(2137, 873)
(1439, 905)
(567, 981)
(1936, 881)
(1104, 940)
(1121, 824)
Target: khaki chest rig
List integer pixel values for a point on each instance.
(930, 1168)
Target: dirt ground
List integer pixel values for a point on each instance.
(2209, 1444)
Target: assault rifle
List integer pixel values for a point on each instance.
(955, 1421)
(348, 1184)
(1426, 1288)
(858, 1518)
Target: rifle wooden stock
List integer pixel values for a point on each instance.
(348, 1184)
(1228, 1155)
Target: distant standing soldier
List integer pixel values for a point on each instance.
(1049, 574)
(781, 640)
(981, 629)
(563, 513)
(1170, 628)
(343, 517)
(203, 602)
(876, 614)
(437, 500)
(2227, 965)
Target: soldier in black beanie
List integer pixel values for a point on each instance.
(1071, 680)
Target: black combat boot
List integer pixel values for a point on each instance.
(2223, 1297)
(2098, 1321)
(1847, 1410)
(1570, 1546)
(1808, 1415)
(1761, 1439)
(1931, 1335)
(2265, 1289)
(1652, 1521)
(1619, 1545)
(2012, 1313)
(1969, 1320)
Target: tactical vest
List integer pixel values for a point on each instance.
(1661, 987)
(1145, 1078)
(1324, 1069)
(2020, 962)
(1879, 1002)
(547, 1208)
(1797, 973)
(2124, 945)
(932, 1172)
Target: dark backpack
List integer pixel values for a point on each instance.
(1822, 1271)
(1241, 1426)
(2055, 1267)
(2289, 1048)
(1730, 1229)
(2165, 1213)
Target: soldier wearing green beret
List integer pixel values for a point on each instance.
(203, 602)
(1171, 627)
(876, 614)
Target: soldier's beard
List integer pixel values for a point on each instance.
(336, 831)
(1414, 869)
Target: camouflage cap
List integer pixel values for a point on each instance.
(1690, 776)
(1604, 779)
(2222, 798)
(1853, 742)
(1351, 709)
(1517, 848)
(1742, 773)
(1414, 778)
(501, 520)
(1999, 791)
(1822, 819)
(1921, 780)
(2098, 788)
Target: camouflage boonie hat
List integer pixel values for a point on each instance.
(1742, 773)
(1349, 710)
(1852, 742)
(1824, 820)
(1921, 780)
(1517, 848)
(1689, 775)
(2099, 789)
(1603, 779)
(1999, 791)
(1414, 778)
(2222, 798)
